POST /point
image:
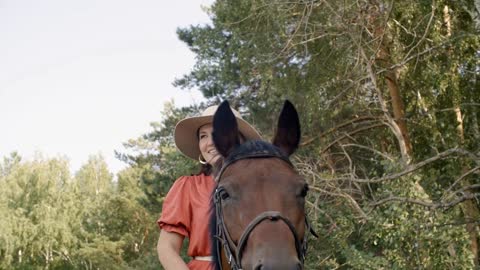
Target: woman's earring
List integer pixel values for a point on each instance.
(202, 161)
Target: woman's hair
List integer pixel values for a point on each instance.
(205, 169)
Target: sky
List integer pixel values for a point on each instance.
(79, 78)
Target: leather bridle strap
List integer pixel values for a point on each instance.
(224, 236)
(234, 252)
(234, 157)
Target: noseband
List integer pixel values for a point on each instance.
(234, 252)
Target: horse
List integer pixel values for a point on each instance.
(258, 219)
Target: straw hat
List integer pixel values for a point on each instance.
(186, 130)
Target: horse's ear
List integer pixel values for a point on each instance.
(225, 129)
(287, 137)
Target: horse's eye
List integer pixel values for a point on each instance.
(304, 191)
(224, 194)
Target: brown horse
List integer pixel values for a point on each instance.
(258, 220)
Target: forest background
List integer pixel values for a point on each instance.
(388, 94)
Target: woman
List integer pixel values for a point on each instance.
(186, 207)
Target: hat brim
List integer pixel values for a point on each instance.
(185, 134)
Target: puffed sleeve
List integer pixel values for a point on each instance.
(176, 212)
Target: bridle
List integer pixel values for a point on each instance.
(234, 252)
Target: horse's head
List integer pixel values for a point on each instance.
(259, 203)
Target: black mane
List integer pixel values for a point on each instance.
(249, 149)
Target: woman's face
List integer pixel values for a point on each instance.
(206, 145)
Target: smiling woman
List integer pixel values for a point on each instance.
(207, 148)
(186, 207)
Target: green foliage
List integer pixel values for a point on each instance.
(36, 226)
(52, 220)
(410, 236)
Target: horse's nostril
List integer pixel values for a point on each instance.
(259, 267)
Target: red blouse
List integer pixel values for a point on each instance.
(186, 211)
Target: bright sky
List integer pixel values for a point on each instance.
(81, 77)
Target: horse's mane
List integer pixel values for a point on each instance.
(252, 149)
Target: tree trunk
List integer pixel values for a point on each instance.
(391, 75)
(397, 102)
(469, 209)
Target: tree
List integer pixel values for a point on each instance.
(38, 213)
(55, 221)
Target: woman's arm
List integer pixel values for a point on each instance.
(168, 249)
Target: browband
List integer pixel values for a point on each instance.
(253, 149)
